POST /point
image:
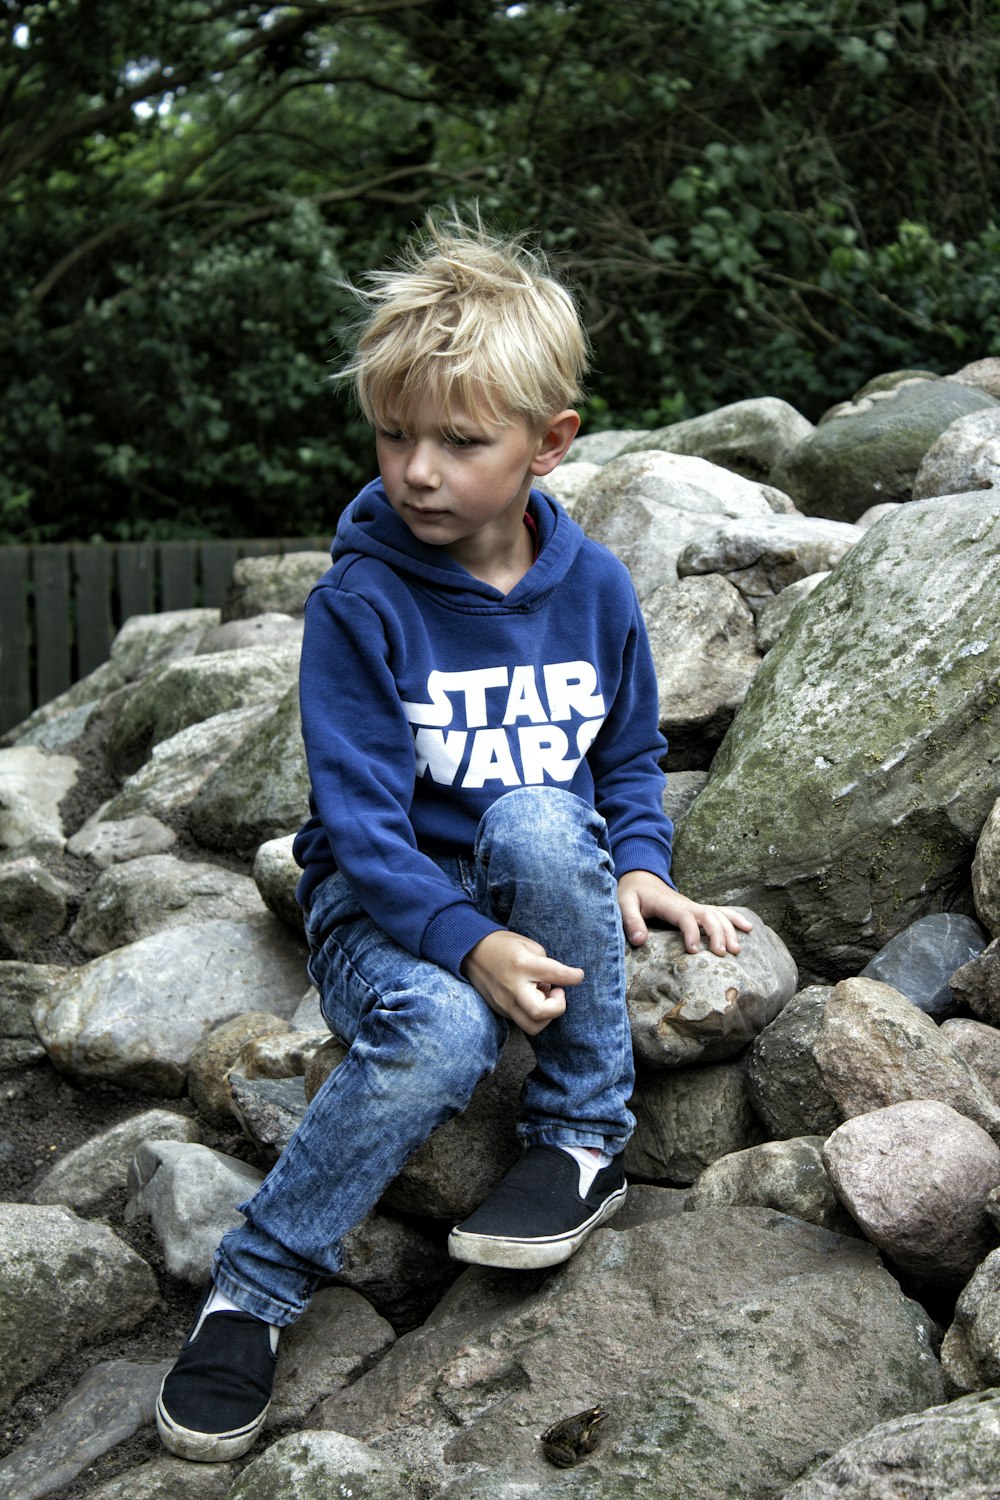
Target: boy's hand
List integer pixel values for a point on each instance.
(517, 979)
(642, 895)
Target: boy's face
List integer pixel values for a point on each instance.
(459, 481)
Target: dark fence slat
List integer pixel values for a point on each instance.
(178, 561)
(217, 559)
(16, 700)
(136, 577)
(94, 629)
(53, 639)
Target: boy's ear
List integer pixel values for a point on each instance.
(556, 437)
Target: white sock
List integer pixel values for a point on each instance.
(588, 1163)
(219, 1302)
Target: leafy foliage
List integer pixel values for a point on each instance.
(752, 196)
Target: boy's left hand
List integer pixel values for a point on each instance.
(642, 896)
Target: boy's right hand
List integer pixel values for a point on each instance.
(517, 979)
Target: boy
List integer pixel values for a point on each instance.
(480, 717)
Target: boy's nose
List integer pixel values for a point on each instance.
(421, 467)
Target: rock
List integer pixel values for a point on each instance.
(155, 892)
(943, 1453)
(168, 1479)
(984, 374)
(181, 693)
(570, 481)
(869, 450)
(645, 506)
(103, 1288)
(661, 1324)
(774, 614)
(273, 585)
(705, 654)
(747, 437)
(786, 1084)
(189, 1194)
(311, 1465)
(698, 1007)
(680, 792)
(22, 985)
(215, 1055)
(986, 872)
(276, 875)
(687, 1119)
(273, 629)
(321, 1065)
(977, 984)
(111, 1403)
(979, 1044)
(970, 1352)
(32, 785)
(965, 457)
(785, 1175)
(848, 794)
(269, 1110)
(875, 1048)
(760, 557)
(113, 843)
(84, 1176)
(919, 961)
(915, 1176)
(308, 1015)
(135, 1016)
(600, 448)
(261, 791)
(397, 1267)
(34, 906)
(279, 1054)
(339, 1336)
(875, 513)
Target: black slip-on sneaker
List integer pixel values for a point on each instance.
(536, 1217)
(212, 1404)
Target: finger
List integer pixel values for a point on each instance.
(690, 931)
(635, 928)
(557, 974)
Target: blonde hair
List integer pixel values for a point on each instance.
(471, 319)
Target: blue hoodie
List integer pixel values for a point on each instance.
(426, 694)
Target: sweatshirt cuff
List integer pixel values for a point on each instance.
(450, 936)
(642, 854)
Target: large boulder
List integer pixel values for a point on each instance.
(762, 556)
(965, 457)
(848, 795)
(747, 437)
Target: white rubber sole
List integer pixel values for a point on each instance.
(206, 1447)
(511, 1254)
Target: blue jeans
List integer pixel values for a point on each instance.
(420, 1040)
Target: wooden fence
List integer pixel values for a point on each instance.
(60, 606)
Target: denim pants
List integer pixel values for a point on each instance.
(420, 1040)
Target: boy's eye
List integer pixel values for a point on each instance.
(458, 440)
(390, 434)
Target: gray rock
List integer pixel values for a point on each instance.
(312, 1465)
(276, 875)
(34, 905)
(786, 1085)
(261, 791)
(984, 374)
(919, 961)
(103, 1289)
(869, 450)
(774, 614)
(32, 785)
(915, 1177)
(113, 843)
(280, 1054)
(169, 1479)
(875, 513)
(680, 792)
(699, 1007)
(688, 1118)
(705, 653)
(986, 872)
(84, 1176)
(662, 1324)
(847, 797)
(395, 1266)
(308, 1016)
(155, 892)
(970, 1352)
(875, 1048)
(111, 1403)
(269, 1110)
(646, 506)
(216, 1054)
(943, 1453)
(977, 984)
(339, 1336)
(181, 693)
(763, 556)
(965, 457)
(747, 437)
(22, 985)
(600, 448)
(569, 482)
(979, 1044)
(189, 1194)
(273, 585)
(785, 1175)
(135, 1016)
(272, 629)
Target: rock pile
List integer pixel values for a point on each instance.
(807, 1263)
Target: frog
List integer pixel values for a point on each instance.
(569, 1440)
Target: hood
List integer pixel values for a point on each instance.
(369, 527)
